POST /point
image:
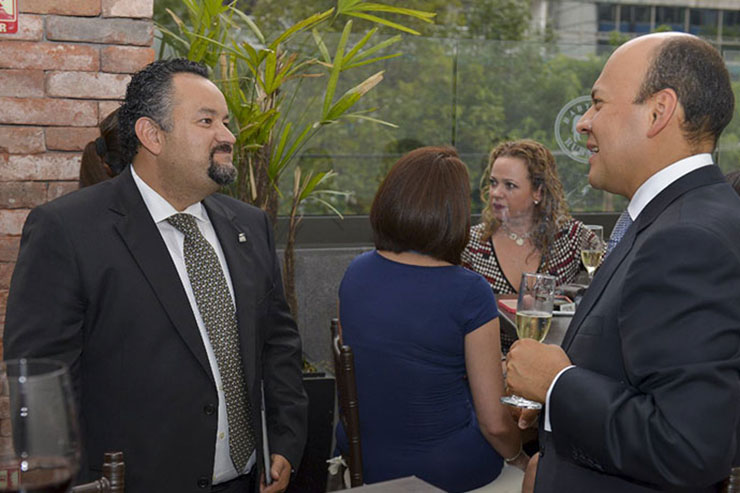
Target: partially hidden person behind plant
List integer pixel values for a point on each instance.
(525, 225)
(165, 299)
(424, 330)
(101, 158)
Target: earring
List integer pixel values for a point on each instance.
(536, 202)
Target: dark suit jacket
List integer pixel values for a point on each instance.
(654, 400)
(95, 286)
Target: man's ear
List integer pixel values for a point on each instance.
(663, 106)
(150, 134)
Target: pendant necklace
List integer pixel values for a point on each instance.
(516, 238)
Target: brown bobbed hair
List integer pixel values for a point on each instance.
(551, 212)
(423, 205)
(101, 158)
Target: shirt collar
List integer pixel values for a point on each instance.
(662, 179)
(158, 206)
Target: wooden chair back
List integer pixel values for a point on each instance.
(112, 481)
(349, 410)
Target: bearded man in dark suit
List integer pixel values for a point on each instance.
(166, 301)
(645, 393)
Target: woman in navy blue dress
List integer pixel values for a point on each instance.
(425, 335)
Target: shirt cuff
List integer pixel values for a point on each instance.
(548, 427)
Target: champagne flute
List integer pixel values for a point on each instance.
(40, 451)
(533, 319)
(592, 250)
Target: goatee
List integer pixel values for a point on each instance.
(222, 174)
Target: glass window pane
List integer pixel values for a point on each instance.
(703, 22)
(730, 24)
(471, 94)
(635, 19)
(606, 15)
(728, 150)
(672, 17)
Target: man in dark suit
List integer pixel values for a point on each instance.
(645, 393)
(166, 300)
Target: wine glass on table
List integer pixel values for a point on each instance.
(39, 446)
(592, 250)
(533, 319)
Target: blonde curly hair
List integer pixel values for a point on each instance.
(551, 212)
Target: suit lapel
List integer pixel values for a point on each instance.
(236, 242)
(141, 236)
(703, 176)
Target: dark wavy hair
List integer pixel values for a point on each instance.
(423, 205)
(149, 94)
(551, 212)
(695, 70)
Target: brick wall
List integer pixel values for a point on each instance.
(63, 71)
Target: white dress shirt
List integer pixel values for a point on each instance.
(642, 197)
(160, 210)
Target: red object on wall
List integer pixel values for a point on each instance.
(8, 16)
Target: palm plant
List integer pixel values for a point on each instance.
(260, 77)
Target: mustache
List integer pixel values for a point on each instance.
(222, 148)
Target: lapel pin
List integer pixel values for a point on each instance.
(242, 238)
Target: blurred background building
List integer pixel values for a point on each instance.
(600, 22)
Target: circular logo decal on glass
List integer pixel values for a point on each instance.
(570, 141)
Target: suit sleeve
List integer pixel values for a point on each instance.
(45, 311)
(286, 401)
(673, 419)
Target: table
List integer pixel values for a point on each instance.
(558, 327)
(411, 484)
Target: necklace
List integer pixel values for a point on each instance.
(516, 238)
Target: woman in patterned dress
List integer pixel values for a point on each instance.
(525, 225)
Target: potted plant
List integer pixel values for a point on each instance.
(260, 76)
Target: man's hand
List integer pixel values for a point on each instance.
(531, 367)
(280, 474)
(528, 418)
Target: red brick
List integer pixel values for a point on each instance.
(86, 85)
(48, 56)
(63, 7)
(9, 246)
(3, 301)
(128, 8)
(40, 167)
(47, 111)
(70, 138)
(22, 83)
(59, 188)
(30, 28)
(105, 108)
(97, 30)
(4, 407)
(6, 429)
(6, 270)
(125, 59)
(21, 140)
(22, 194)
(11, 221)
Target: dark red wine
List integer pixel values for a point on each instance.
(42, 476)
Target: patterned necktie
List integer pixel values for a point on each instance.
(219, 316)
(623, 224)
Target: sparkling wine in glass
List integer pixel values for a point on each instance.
(533, 319)
(592, 250)
(40, 452)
